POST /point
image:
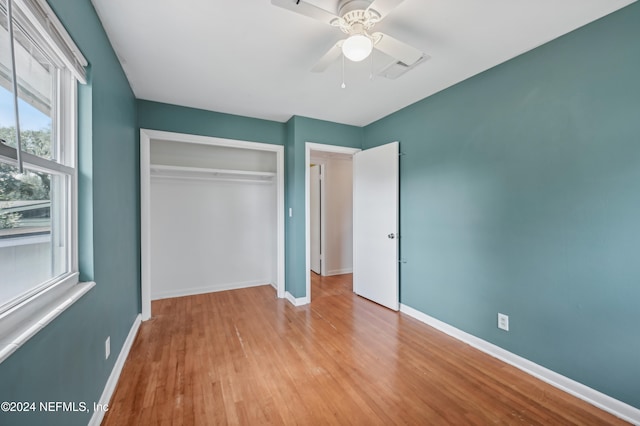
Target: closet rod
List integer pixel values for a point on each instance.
(211, 179)
(177, 170)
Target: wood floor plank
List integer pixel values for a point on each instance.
(245, 357)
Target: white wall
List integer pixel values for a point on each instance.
(315, 224)
(211, 235)
(338, 206)
(214, 157)
(339, 216)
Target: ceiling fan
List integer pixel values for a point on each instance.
(356, 18)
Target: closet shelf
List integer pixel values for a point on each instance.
(202, 173)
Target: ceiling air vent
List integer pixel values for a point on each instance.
(397, 68)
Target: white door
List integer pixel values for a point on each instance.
(315, 217)
(375, 224)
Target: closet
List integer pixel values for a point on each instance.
(213, 218)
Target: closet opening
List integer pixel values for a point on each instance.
(212, 215)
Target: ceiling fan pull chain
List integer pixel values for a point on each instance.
(343, 85)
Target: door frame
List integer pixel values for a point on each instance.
(312, 146)
(146, 136)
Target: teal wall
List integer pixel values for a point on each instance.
(520, 194)
(299, 131)
(178, 119)
(65, 361)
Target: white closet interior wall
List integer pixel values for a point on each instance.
(214, 157)
(213, 218)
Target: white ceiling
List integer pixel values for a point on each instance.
(251, 58)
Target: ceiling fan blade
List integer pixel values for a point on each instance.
(306, 9)
(404, 53)
(383, 7)
(328, 58)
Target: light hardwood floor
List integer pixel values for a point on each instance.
(245, 357)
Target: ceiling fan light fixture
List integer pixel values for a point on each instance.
(357, 47)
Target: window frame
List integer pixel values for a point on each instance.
(31, 312)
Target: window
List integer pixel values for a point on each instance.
(38, 244)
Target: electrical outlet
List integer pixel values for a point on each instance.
(107, 347)
(503, 322)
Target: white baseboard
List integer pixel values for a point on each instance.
(190, 291)
(340, 271)
(617, 408)
(296, 301)
(110, 387)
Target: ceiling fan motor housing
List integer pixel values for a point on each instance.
(346, 6)
(355, 17)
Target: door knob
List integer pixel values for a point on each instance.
(391, 236)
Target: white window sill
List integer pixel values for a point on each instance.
(23, 321)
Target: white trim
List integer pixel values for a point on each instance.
(309, 146)
(146, 136)
(23, 321)
(340, 271)
(209, 289)
(323, 219)
(300, 301)
(71, 155)
(55, 34)
(25, 240)
(112, 381)
(33, 162)
(145, 225)
(617, 408)
(280, 228)
(209, 140)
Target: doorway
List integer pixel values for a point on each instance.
(337, 253)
